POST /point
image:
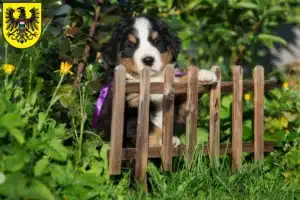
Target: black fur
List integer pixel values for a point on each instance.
(113, 49)
(118, 47)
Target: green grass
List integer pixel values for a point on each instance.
(201, 181)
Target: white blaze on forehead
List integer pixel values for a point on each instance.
(145, 48)
(143, 26)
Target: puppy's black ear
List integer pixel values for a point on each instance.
(175, 45)
(173, 42)
(111, 49)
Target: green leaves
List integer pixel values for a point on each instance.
(192, 5)
(202, 136)
(37, 190)
(2, 106)
(273, 11)
(63, 174)
(11, 120)
(225, 111)
(41, 119)
(41, 165)
(246, 5)
(269, 40)
(15, 162)
(67, 95)
(36, 160)
(17, 134)
(17, 186)
(64, 45)
(56, 150)
(247, 130)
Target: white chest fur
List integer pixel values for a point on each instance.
(158, 100)
(155, 98)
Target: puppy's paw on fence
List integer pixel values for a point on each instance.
(175, 142)
(207, 77)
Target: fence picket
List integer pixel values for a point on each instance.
(192, 113)
(214, 125)
(142, 141)
(168, 113)
(237, 117)
(117, 121)
(258, 113)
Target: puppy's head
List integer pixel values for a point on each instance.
(141, 42)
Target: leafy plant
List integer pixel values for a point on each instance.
(38, 161)
(49, 151)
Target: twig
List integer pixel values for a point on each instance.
(82, 64)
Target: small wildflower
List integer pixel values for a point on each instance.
(284, 122)
(65, 68)
(285, 85)
(247, 97)
(8, 68)
(2, 178)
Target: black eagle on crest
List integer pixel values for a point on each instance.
(22, 28)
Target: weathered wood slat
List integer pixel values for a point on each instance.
(214, 123)
(192, 113)
(237, 117)
(142, 141)
(258, 113)
(155, 152)
(181, 88)
(117, 121)
(168, 118)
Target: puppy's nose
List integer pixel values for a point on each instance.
(148, 60)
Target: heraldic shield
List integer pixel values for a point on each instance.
(22, 23)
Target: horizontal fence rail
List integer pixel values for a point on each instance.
(191, 87)
(181, 88)
(155, 152)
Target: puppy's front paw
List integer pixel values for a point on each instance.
(175, 142)
(207, 77)
(133, 99)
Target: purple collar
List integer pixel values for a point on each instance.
(103, 94)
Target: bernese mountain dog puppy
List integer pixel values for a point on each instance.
(139, 42)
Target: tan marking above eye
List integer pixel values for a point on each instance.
(154, 35)
(131, 38)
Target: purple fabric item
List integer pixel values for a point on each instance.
(99, 104)
(179, 73)
(103, 94)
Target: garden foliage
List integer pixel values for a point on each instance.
(47, 147)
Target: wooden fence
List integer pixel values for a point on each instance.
(192, 87)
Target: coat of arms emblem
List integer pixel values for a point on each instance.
(22, 23)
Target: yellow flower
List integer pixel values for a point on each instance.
(285, 85)
(247, 97)
(65, 68)
(284, 122)
(8, 68)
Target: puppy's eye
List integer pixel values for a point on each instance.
(156, 41)
(130, 44)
